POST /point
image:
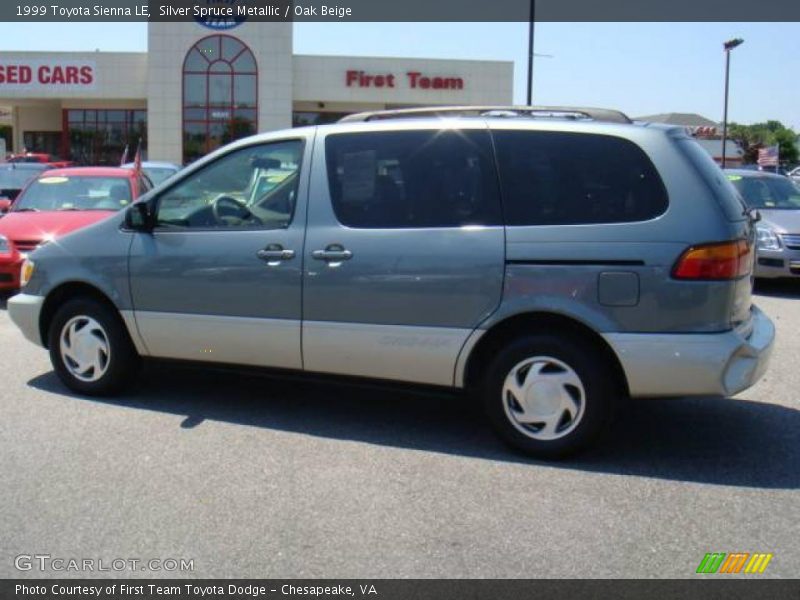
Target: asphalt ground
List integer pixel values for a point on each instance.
(249, 476)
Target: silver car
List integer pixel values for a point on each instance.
(777, 199)
(548, 262)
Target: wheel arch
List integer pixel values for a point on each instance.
(66, 291)
(535, 322)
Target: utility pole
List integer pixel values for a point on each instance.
(727, 46)
(530, 51)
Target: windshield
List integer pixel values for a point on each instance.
(768, 192)
(15, 179)
(266, 180)
(159, 174)
(75, 193)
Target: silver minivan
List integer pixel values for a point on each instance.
(549, 262)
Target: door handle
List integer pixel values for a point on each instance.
(274, 254)
(334, 253)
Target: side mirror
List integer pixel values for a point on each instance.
(139, 217)
(5, 204)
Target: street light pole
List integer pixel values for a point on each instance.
(530, 52)
(727, 46)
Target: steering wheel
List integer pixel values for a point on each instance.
(224, 208)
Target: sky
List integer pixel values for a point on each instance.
(639, 68)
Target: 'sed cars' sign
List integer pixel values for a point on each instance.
(47, 74)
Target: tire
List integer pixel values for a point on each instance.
(550, 396)
(90, 349)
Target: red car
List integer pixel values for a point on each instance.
(39, 157)
(58, 202)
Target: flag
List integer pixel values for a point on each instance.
(137, 159)
(768, 157)
(124, 158)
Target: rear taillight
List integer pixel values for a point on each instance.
(718, 261)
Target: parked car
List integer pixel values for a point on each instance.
(549, 266)
(777, 198)
(795, 173)
(155, 170)
(760, 169)
(58, 202)
(40, 157)
(13, 178)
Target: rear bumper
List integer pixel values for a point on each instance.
(24, 311)
(718, 364)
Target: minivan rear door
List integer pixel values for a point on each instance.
(404, 252)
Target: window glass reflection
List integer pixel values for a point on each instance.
(220, 95)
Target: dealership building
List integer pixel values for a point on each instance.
(203, 84)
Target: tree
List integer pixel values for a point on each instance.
(786, 140)
(748, 139)
(759, 135)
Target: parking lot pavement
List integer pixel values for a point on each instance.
(257, 477)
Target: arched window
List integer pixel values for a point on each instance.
(220, 95)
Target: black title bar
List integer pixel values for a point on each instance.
(228, 13)
(705, 587)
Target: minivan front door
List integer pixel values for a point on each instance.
(219, 278)
(404, 252)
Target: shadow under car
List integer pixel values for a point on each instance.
(709, 440)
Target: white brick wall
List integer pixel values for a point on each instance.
(168, 44)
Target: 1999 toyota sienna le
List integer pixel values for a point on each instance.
(549, 261)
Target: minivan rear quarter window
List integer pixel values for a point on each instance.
(564, 178)
(413, 179)
(726, 194)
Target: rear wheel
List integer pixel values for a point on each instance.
(90, 348)
(549, 396)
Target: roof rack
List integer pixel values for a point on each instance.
(534, 112)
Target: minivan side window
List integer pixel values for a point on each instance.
(252, 187)
(413, 179)
(558, 178)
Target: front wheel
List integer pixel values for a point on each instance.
(549, 396)
(90, 349)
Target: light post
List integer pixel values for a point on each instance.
(530, 52)
(727, 46)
